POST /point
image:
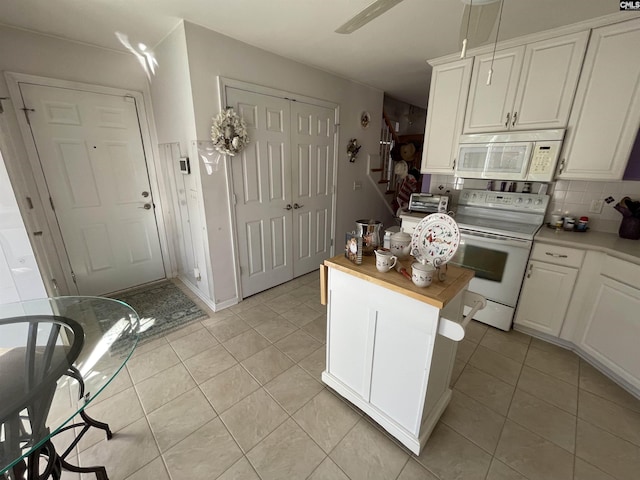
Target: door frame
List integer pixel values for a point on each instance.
(57, 252)
(223, 83)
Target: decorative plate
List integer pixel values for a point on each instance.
(436, 236)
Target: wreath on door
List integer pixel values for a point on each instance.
(229, 132)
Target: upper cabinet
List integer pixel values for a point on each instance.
(532, 86)
(445, 115)
(606, 113)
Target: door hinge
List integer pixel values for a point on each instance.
(234, 199)
(331, 244)
(335, 127)
(73, 277)
(54, 284)
(51, 203)
(29, 203)
(26, 113)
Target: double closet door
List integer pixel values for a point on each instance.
(283, 188)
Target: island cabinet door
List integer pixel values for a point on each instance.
(380, 345)
(402, 355)
(350, 332)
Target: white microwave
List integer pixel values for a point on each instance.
(529, 156)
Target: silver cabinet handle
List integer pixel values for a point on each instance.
(288, 207)
(506, 124)
(146, 206)
(296, 206)
(515, 116)
(145, 194)
(556, 255)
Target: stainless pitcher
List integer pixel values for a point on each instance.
(371, 233)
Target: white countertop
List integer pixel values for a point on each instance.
(610, 243)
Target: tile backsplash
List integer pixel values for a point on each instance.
(568, 197)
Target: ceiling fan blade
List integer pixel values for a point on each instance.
(374, 10)
(481, 22)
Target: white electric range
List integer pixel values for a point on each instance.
(496, 235)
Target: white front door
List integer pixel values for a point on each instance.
(91, 152)
(312, 134)
(283, 188)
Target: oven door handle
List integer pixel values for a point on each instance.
(508, 242)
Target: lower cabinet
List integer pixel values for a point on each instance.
(545, 297)
(384, 355)
(599, 318)
(547, 287)
(611, 332)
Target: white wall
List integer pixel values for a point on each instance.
(36, 54)
(19, 275)
(174, 117)
(211, 55)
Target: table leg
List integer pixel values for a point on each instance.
(95, 423)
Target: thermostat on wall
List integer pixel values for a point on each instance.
(185, 168)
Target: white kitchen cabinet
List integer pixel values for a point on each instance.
(611, 332)
(605, 117)
(548, 287)
(546, 293)
(445, 115)
(532, 86)
(489, 106)
(384, 350)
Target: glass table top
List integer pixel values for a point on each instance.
(56, 356)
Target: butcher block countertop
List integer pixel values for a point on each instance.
(438, 294)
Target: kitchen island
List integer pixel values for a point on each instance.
(391, 345)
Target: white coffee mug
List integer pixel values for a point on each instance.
(385, 260)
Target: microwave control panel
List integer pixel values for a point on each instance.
(543, 161)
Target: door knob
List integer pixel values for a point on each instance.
(145, 194)
(288, 207)
(296, 206)
(146, 206)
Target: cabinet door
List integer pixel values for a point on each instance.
(402, 351)
(548, 82)
(445, 115)
(612, 332)
(605, 117)
(489, 105)
(350, 333)
(545, 296)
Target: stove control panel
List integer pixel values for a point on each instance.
(504, 200)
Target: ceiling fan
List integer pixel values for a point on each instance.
(478, 18)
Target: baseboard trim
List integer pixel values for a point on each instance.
(216, 307)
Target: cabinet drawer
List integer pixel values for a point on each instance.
(621, 270)
(545, 252)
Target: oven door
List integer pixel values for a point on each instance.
(499, 263)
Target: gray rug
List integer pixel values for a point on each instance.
(162, 308)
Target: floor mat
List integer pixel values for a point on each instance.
(162, 308)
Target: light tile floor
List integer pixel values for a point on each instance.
(239, 396)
